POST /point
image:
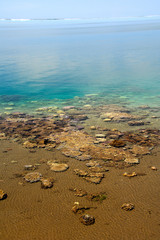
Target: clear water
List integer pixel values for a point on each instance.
(46, 63)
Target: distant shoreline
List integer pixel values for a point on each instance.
(130, 18)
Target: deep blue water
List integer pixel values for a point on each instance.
(47, 60)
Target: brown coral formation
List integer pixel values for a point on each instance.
(90, 177)
(112, 146)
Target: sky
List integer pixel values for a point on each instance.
(77, 8)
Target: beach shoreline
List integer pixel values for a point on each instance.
(119, 165)
(30, 212)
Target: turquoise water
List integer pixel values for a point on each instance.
(46, 63)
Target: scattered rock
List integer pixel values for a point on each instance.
(3, 195)
(118, 116)
(13, 161)
(71, 153)
(118, 143)
(97, 197)
(136, 123)
(92, 127)
(80, 117)
(47, 183)
(132, 160)
(78, 192)
(101, 140)
(2, 136)
(128, 206)
(144, 107)
(89, 177)
(154, 168)
(28, 144)
(107, 120)
(100, 135)
(68, 107)
(133, 174)
(79, 209)
(87, 219)
(29, 167)
(139, 150)
(98, 169)
(58, 167)
(79, 127)
(33, 177)
(83, 157)
(95, 180)
(92, 164)
(80, 173)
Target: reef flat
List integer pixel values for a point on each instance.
(92, 163)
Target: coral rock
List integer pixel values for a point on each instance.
(59, 167)
(87, 219)
(133, 174)
(117, 143)
(92, 127)
(47, 183)
(100, 135)
(33, 177)
(154, 168)
(3, 195)
(132, 160)
(128, 206)
(78, 192)
(79, 209)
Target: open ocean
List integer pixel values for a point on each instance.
(59, 62)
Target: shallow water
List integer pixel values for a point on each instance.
(48, 63)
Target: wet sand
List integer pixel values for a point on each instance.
(30, 212)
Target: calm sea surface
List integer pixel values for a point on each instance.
(49, 62)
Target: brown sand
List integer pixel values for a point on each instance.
(32, 213)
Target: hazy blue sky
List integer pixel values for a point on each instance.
(77, 8)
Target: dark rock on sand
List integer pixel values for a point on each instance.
(118, 143)
(87, 219)
(3, 195)
(79, 127)
(154, 168)
(128, 206)
(99, 135)
(136, 123)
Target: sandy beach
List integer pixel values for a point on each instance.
(30, 212)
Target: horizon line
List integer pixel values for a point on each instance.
(77, 18)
